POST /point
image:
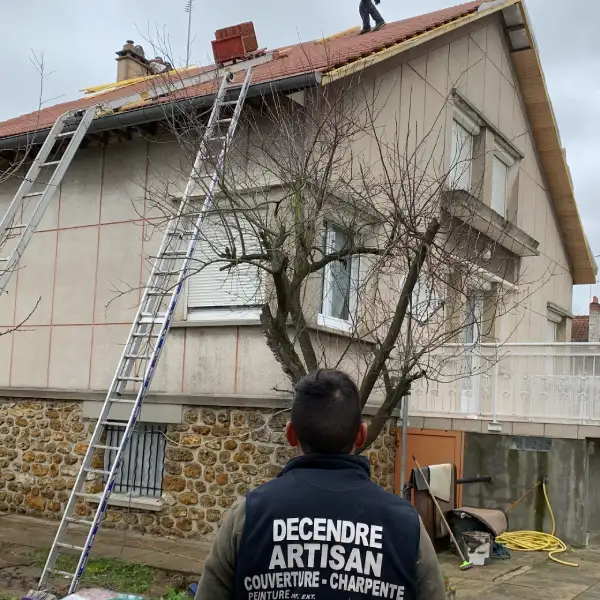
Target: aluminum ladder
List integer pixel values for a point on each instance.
(38, 187)
(147, 337)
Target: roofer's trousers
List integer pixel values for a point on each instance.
(367, 9)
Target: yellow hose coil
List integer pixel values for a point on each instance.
(535, 541)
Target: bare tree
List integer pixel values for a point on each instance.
(358, 230)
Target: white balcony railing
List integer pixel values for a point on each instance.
(537, 382)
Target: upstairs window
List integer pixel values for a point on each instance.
(501, 164)
(461, 158)
(215, 293)
(340, 284)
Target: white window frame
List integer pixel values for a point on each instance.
(236, 314)
(507, 161)
(324, 318)
(461, 171)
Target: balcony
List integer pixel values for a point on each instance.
(531, 382)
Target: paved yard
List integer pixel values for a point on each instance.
(529, 576)
(526, 576)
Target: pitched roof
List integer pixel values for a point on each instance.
(580, 329)
(345, 54)
(314, 56)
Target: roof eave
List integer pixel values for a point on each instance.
(158, 112)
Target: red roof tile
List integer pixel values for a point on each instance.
(580, 329)
(301, 58)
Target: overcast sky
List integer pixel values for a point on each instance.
(78, 39)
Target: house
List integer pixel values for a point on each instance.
(586, 328)
(190, 458)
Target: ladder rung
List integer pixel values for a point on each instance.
(66, 134)
(33, 194)
(96, 471)
(217, 138)
(151, 321)
(21, 226)
(104, 447)
(4, 259)
(230, 102)
(227, 120)
(173, 254)
(63, 573)
(137, 356)
(71, 546)
(167, 273)
(77, 521)
(145, 335)
(122, 400)
(50, 163)
(133, 379)
(114, 424)
(156, 294)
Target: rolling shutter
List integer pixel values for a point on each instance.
(499, 178)
(212, 287)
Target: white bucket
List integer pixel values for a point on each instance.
(479, 546)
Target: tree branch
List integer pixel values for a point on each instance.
(383, 352)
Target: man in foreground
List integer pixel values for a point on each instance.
(367, 10)
(323, 530)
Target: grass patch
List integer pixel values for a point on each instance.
(108, 573)
(173, 595)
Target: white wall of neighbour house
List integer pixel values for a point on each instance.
(93, 240)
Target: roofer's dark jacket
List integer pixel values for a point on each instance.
(322, 531)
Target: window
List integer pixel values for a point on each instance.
(340, 284)
(499, 186)
(461, 158)
(501, 164)
(425, 300)
(474, 313)
(141, 473)
(215, 294)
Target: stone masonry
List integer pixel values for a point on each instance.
(214, 457)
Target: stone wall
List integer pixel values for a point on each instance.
(211, 459)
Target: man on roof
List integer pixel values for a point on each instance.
(367, 11)
(323, 530)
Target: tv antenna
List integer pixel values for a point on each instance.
(188, 8)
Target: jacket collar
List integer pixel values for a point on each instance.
(330, 462)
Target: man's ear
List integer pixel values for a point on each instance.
(290, 434)
(361, 436)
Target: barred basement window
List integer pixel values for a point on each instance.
(141, 473)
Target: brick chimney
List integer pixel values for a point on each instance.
(594, 320)
(132, 62)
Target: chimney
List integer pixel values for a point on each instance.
(131, 62)
(594, 335)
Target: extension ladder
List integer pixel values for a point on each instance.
(147, 337)
(43, 178)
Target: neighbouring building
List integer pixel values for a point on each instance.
(586, 328)
(211, 427)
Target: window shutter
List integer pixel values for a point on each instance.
(499, 185)
(213, 288)
(461, 158)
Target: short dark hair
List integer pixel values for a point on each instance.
(326, 413)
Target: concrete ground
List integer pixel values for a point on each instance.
(526, 576)
(529, 576)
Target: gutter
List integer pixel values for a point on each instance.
(158, 112)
